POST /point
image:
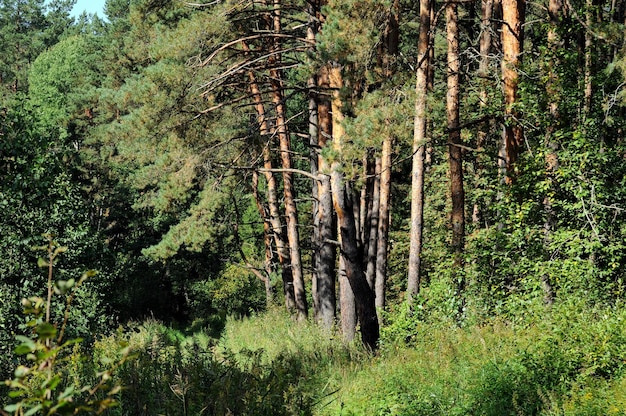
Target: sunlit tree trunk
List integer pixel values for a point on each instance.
(291, 212)
(512, 34)
(272, 218)
(363, 294)
(419, 138)
(326, 256)
(383, 225)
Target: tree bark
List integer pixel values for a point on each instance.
(363, 294)
(512, 34)
(485, 127)
(272, 218)
(326, 256)
(282, 131)
(383, 226)
(419, 139)
(312, 29)
(372, 235)
(282, 249)
(455, 152)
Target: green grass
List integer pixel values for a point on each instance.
(569, 360)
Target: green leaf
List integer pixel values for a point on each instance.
(52, 383)
(41, 262)
(34, 410)
(46, 331)
(27, 345)
(67, 393)
(12, 407)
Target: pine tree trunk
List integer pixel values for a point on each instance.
(485, 127)
(512, 34)
(282, 249)
(312, 29)
(455, 152)
(383, 225)
(419, 139)
(267, 240)
(372, 235)
(282, 131)
(272, 218)
(363, 294)
(455, 156)
(326, 256)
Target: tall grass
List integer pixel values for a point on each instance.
(568, 360)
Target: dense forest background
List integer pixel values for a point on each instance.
(400, 170)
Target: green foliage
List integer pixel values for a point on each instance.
(182, 373)
(42, 384)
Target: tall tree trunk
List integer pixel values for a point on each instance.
(512, 34)
(372, 235)
(312, 29)
(273, 216)
(383, 225)
(455, 152)
(363, 294)
(282, 249)
(326, 256)
(419, 138)
(282, 131)
(588, 57)
(347, 303)
(485, 127)
(392, 39)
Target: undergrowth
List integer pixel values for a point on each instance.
(570, 362)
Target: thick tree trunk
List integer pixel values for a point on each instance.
(347, 304)
(326, 250)
(282, 131)
(512, 34)
(419, 138)
(455, 152)
(363, 294)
